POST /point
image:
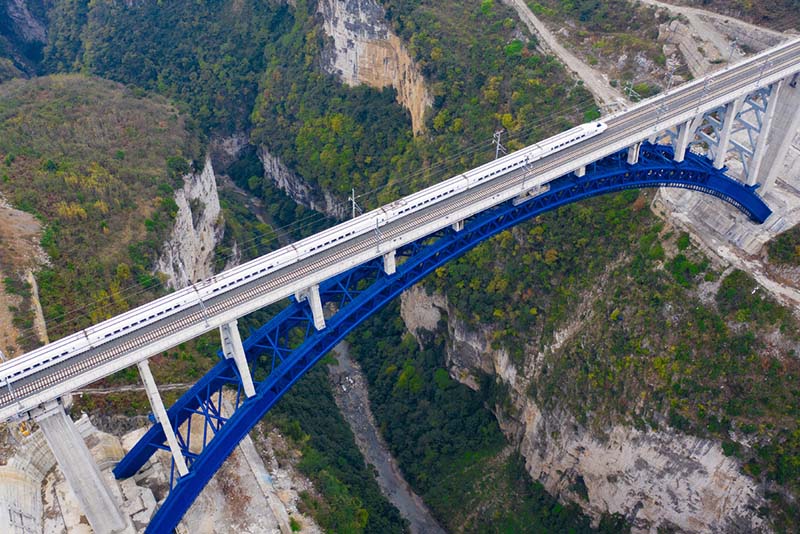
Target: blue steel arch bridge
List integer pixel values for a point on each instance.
(365, 289)
(683, 138)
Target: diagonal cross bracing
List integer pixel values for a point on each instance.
(363, 290)
(136, 335)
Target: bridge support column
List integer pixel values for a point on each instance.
(312, 296)
(390, 262)
(766, 126)
(458, 226)
(633, 153)
(731, 110)
(161, 416)
(580, 173)
(232, 349)
(79, 469)
(685, 135)
(786, 124)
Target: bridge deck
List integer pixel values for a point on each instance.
(624, 129)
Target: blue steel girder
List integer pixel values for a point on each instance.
(365, 289)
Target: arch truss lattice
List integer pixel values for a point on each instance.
(282, 350)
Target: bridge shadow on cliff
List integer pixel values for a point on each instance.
(279, 359)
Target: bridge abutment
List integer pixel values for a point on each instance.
(80, 469)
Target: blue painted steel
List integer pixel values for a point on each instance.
(365, 289)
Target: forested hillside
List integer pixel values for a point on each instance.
(661, 338)
(98, 164)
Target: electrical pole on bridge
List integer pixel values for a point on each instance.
(354, 204)
(498, 145)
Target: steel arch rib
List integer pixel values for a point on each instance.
(655, 169)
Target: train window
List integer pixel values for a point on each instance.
(107, 335)
(159, 313)
(270, 267)
(126, 327)
(263, 270)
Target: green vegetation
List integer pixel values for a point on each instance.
(785, 249)
(557, 257)
(351, 500)
(209, 57)
(646, 349)
(447, 442)
(20, 49)
(105, 217)
(777, 14)
(618, 33)
(338, 138)
(661, 338)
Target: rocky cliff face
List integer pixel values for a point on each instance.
(656, 479)
(23, 33)
(298, 189)
(188, 255)
(364, 50)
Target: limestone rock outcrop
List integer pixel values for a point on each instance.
(655, 478)
(188, 255)
(298, 189)
(364, 50)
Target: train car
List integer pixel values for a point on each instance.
(169, 305)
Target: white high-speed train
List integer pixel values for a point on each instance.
(162, 308)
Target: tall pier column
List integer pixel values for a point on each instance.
(766, 127)
(685, 135)
(79, 469)
(731, 110)
(785, 124)
(161, 416)
(232, 348)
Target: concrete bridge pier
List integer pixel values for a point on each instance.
(731, 112)
(232, 348)
(785, 124)
(311, 294)
(633, 153)
(390, 262)
(160, 414)
(80, 469)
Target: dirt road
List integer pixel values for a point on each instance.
(594, 81)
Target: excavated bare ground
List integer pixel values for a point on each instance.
(20, 233)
